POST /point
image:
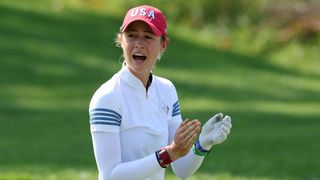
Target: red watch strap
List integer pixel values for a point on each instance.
(163, 157)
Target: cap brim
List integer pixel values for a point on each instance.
(154, 28)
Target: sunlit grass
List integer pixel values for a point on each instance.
(297, 109)
(50, 173)
(69, 173)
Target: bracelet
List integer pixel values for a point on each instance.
(198, 150)
(163, 157)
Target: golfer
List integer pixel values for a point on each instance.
(135, 119)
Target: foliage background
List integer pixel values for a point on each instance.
(257, 61)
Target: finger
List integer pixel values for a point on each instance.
(225, 129)
(182, 125)
(198, 129)
(223, 136)
(184, 122)
(183, 135)
(227, 118)
(190, 130)
(218, 115)
(215, 118)
(191, 140)
(187, 129)
(194, 129)
(196, 123)
(227, 122)
(190, 125)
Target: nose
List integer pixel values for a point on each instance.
(139, 43)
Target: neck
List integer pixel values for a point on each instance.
(143, 77)
(146, 80)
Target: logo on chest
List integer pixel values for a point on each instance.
(165, 108)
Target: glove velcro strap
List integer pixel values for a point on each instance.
(198, 150)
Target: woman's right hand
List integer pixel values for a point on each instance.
(184, 138)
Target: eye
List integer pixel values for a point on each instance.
(149, 37)
(130, 35)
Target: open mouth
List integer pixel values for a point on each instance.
(139, 57)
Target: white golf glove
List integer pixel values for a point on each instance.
(215, 131)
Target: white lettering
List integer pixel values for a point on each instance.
(134, 12)
(143, 11)
(151, 14)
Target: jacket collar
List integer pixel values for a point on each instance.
(132, 80)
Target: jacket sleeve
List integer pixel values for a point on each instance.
(107, 153)
(105, 120)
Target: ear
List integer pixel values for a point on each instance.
(164, 44)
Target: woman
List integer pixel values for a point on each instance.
(135, 117)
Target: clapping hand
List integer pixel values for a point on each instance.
(215, 131)
(184, 138)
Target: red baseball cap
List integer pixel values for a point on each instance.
(148, 14)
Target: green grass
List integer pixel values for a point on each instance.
(52, 62)
(39, 172)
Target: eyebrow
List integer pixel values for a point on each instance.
(134, 30)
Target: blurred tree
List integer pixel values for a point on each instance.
(291, 19)
(295, 20)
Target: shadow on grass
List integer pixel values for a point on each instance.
(31, 40)
(51, 65)
(246, 78)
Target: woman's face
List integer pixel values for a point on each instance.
(140, 48)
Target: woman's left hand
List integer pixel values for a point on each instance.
(184, 138)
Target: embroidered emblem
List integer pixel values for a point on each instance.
(165, 108)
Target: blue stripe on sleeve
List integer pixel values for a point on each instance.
(176, 104)
(105, 123)
(176, 109)
(106, 110)
(175, 114)
(105, 117)
(104, 114)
